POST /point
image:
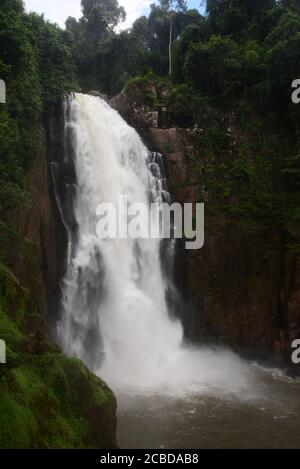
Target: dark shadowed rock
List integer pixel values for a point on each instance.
(244, 291)
(135, 109)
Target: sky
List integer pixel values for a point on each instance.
(59, 10)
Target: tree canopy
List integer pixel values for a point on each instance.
(238, 60)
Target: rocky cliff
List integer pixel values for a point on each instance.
(46, 399)
(243, 288)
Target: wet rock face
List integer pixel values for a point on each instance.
(292, 294)
(243, 288)
(294, 314)
(174, 145)
(38, 255)
(231, 283)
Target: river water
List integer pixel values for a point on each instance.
(268, 416)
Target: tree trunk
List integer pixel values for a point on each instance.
(171, 44)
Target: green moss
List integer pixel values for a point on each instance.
(168, 148)
(18, 424)
(47, 403)
(46, 399)
(9, 331)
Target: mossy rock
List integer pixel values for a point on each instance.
(46, 399)
(52, 401)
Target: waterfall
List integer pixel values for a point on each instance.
(115, 315)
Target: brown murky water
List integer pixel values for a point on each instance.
(267, 415)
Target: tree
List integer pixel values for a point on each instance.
(121, 57)
(99, 20)
(195, 31)
(214, 67)
(234, 16)
(171, 6)
(292, 4)
(282, 59)
(101, 17)
(37, 67)
(55, 61)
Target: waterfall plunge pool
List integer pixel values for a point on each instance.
(266, 417)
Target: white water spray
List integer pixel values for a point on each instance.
(115, 316)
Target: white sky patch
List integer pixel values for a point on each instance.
(58, 11)
(134, 9)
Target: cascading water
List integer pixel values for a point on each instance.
(115, 314)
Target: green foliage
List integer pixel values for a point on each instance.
(37, 66)
(47, 402)
(106, 60)
(54, 59)
(147, 90)
(179, 5)
(214, 67)
(282, 47)
(46, 399)
(234, 17)
(93, 43)
(239, 181)
(102, 15)
(120, 59)
(19, 118)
